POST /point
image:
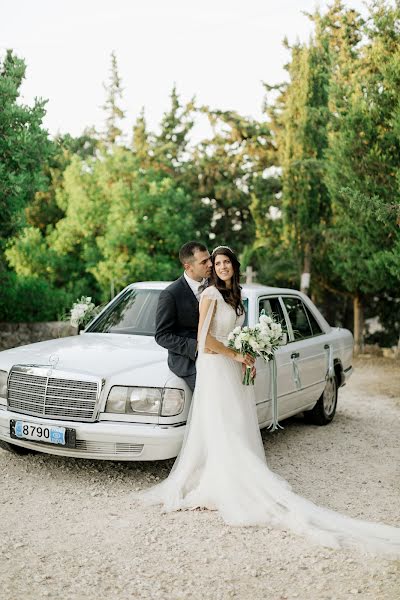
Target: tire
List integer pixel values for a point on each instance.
(14, 449)
(325, 409)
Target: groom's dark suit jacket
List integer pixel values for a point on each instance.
(177, 319)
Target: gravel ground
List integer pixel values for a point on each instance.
(68, 529)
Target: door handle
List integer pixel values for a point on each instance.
(295, 355)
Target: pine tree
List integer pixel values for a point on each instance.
(171, 144)
(363, 164)
(302, 140)
(142, 145)
(114, 113)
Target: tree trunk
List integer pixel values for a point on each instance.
(358, 325)
(305, 276)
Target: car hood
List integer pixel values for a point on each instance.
(100, 354)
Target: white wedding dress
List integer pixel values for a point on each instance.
(222, 464)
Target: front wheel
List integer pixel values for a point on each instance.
(14, 449)
(324, 411)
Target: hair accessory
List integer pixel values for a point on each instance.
(222, 248)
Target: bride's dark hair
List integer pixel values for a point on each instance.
(233, 295)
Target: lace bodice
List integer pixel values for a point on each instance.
(225, 318)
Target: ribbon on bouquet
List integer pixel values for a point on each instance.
(274, 393)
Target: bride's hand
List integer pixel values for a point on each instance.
(247, 359)
(253, 370)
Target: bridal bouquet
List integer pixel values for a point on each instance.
(261, 340)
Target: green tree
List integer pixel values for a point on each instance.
(24, 147)
(44, 211)
(171, 144)
(149, 219)
(171, 153)
(228, 168)
(142, 142)
(120, 224)
(302, 141)
(271, 253)
(113, 110)
(363, 165)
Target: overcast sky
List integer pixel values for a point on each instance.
(218, 50)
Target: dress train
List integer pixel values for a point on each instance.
(222, 466)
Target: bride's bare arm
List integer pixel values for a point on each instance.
(213, 344)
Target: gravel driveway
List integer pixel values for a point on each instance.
(69, 531)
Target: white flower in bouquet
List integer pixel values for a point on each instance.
(265, 319)
(276, 329)
(238, 343)
(255, 345)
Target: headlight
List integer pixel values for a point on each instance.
(3, 384)
(173, 402)
(128, 400)
(145, 401)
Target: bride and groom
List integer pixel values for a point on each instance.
(177, 319)
(222, 464)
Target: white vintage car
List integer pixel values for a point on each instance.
(109, 394)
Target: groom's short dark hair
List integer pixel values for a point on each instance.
(187, 251)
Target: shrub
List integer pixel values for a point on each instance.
(29, 299)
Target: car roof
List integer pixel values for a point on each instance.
(250, 289)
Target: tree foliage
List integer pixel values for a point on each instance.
(363, 164)
(24, 146)
(312, 187)
(112, 107)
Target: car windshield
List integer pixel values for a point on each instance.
(134, 313)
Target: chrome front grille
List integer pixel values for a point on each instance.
(33, 391)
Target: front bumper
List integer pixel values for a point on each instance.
(104, 440)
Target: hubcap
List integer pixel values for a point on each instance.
(329, 397)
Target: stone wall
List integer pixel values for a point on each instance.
(19, 334)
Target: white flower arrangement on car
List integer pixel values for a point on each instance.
(261, 340)
(83, 311)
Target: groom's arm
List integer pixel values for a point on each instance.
(166, 320)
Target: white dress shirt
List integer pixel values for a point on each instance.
(194, 285)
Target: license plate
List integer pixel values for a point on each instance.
(41, 432)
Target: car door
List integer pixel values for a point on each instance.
(308, 350)
(287, 390)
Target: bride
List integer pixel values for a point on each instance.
(222, 464)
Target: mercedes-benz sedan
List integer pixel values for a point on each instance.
(109, 394)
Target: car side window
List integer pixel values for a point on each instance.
(316, 329)
(272, 307)
(298, 318)
(246, 311)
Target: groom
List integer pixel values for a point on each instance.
(177, 315)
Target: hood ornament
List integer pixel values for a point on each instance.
(54, 359)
